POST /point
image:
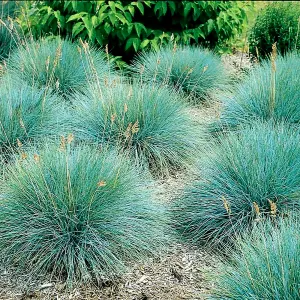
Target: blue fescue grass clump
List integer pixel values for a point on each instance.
(78, 214)
(148, 123)
(265, 265)
(247, 176)
(267, 93)
(27, 113)
(7, 39)
(196, 71)
(60, 65)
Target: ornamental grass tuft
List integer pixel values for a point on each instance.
(148, 123)
(59, 65)
(196, 71)
(265, 264)
(26, 114)
(248, 176)
(269, 92)
(77, 214)
(7, 39)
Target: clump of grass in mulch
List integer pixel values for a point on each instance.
(265, 264)
(195, 71)
(148, 123)
(59, 65)
(77, 214)
(244, 176)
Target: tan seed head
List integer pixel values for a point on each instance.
(19, 143)
(101, 183)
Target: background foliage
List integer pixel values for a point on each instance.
(130, 26)
(278, 22)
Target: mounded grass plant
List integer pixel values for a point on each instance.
(196, 71)
(148, 123)
(248, 176)
(267, 93)
(60, 65)
(78, 214)
(27, 113)
(265, 264)
(7, 39)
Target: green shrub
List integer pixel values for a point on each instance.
(193, 70)
(78, 214)
(265, 266)
(149, 123)
(242, 176)
(131, 26)
(257, 97)
(26, 114)
(278, 22)
(59, 65)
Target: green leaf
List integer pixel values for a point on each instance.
(95, 21)
(129, 28)
(140, 7)
(157, 7)
(144, 43)
(77, 28)
(102, 17)
(164, 7)
(135, 42)
(112, 18)
(148, 3)
(128, 17)
(121, 18)
(107, 28)
(131, 10)
(187, 9)
(139, 27)
(102, 9)
(112, 6)
(154, 44)
(120, 7)
(128, 44)
(210, 26)
(88, 23)
(77, 16)
(172, 7)
(100, 38)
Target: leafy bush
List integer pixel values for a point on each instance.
(265, 94)
(77, 213)
(193, 70)
(26, 113)
(149, 123)
(248, 176)
(131, 26)
(278, 22)
(265, 266)
(59, 65)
